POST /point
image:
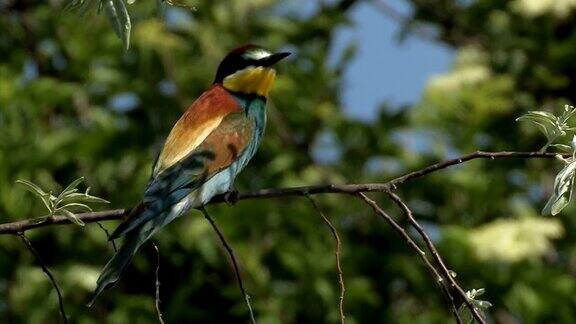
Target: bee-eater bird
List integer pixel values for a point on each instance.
(207, 147)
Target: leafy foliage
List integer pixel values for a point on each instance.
(555, 128)
(482, 305)
(67, 202)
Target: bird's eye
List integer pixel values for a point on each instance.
(256, 54)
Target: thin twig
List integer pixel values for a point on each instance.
(47, 272)
(157, 281)
(22, 226)
(108, 236)
(444, 270)
(433, 271)
(234, 262)
(338, 252)
(92, 217)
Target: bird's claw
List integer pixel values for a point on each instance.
(231, 197)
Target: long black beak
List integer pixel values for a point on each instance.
(273, 59)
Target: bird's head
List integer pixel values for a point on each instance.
(248, 70)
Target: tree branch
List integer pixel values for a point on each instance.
(108, 236)
(445, 272)
(338, 252)
(431, 268)
(24, 225)
(234, 262)
(48, 273)
(157, 285)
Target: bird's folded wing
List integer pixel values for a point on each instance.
(209, 137)
(203, 116)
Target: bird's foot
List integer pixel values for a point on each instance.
(231, 197)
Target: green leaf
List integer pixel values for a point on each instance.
(71, 217)
(71, 188)
(562, 147)
(119, 18)
(75, 207)
(547, 122)
(32, 187)
(563, 188)
(44, 196)
(82, 197)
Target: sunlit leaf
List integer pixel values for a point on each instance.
(480, 305)
(551, 125)
(563, 187)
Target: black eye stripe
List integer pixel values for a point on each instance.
(230, 65)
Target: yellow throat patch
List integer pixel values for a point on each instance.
(251, 80)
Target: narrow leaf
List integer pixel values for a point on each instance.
(80, 197)
(71, 217)
(119, 18)
(562, 147)
(44, 196)
(75, 207)
(563, 188)
(71, 187)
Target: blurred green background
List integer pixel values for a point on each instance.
(74, 103)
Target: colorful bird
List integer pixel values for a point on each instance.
(207, 147)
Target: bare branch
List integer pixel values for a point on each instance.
(338, 252)
(433, 271)
(108, 236)
(22, 226)
(48, 273)
(234, 262)
(443, 269)
(157, 281)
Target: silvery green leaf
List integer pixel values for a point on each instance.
(483, 304)
(119, 18)
(81, 197)
(540, 116)
(563, 187)
(71, 217)
(32, 187)
(568, 112)
(562, 147)
(44, 196)
(555, 205)
(479, 305)
(477, 292)
(71, 187)
(75, 207)
(131, 2)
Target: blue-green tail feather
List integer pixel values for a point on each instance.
(114, 268)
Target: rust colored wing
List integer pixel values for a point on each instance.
(195, 125)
